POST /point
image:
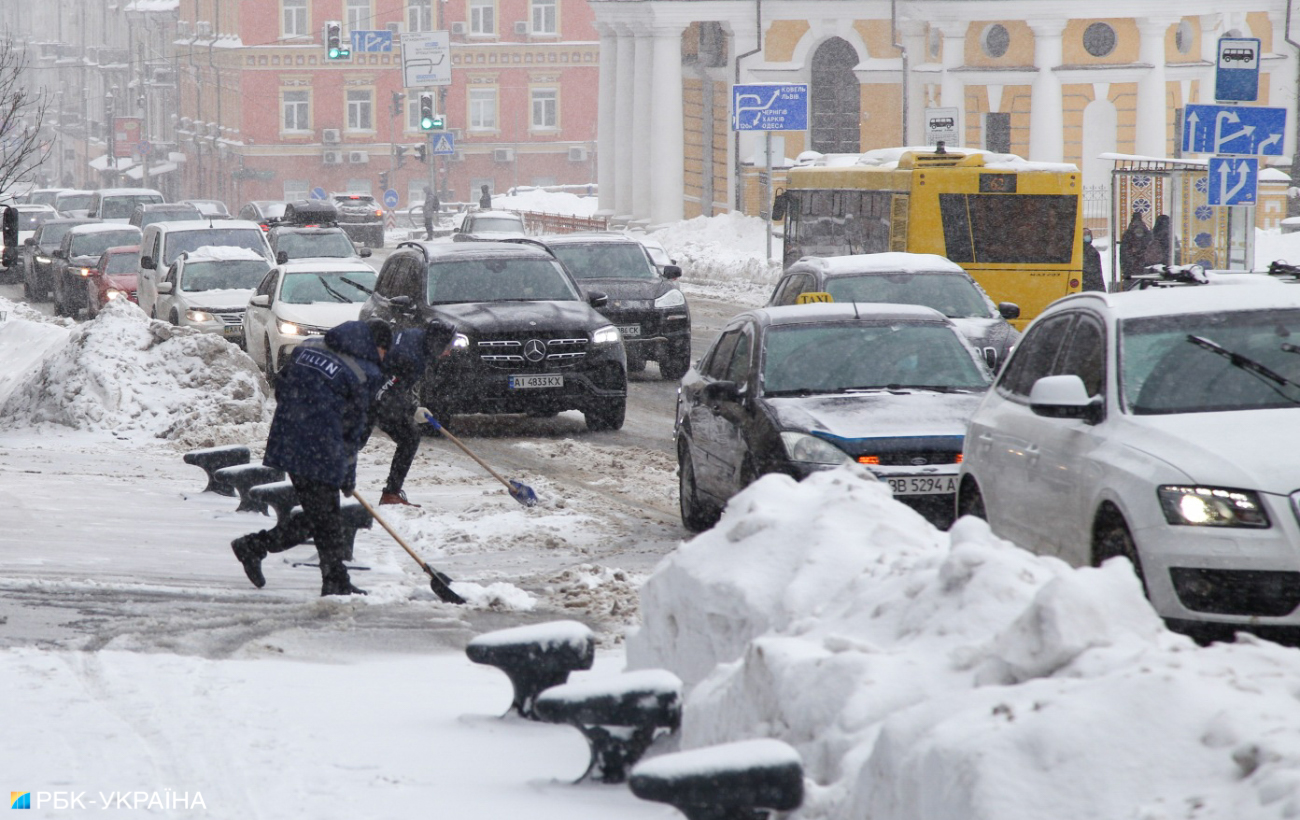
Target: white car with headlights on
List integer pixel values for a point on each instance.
(297, 300)
(1161, 426)
(209, 289)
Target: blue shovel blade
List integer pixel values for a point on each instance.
(522, 493)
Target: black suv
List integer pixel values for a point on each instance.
(647, 308)
(528, 341)
(309, 230)
(38, 256)
(361, 217)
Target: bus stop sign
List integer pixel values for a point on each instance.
(1236, 75)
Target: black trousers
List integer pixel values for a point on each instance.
(321, 521)
(395, 417)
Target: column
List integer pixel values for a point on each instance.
(912, 36)
(667, 126)
(1211, 31)
(1152, 137)
(644, 84)
(623, 96)
(952, 89)
(605, 122)
(1046, 121)
(744, 39)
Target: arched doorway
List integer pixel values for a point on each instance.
(835, 99)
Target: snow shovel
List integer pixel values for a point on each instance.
(438, 582)
(519, 491)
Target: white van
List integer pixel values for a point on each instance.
(116, 204)
(162, 242)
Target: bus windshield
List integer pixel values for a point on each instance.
(1008, 228)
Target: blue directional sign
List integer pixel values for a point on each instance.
(318, 193)
(1233, 180)
(1234, 129)
(390, 198)
(769, 107)
(1236, 75)
(443, 143)
(381, 40)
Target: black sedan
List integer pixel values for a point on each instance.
(905, 279)
(644, 304)
(527, 340)
(361, 217)
(796, 389)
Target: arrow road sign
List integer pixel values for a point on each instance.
(1233, 180)
(769, 107)
(381, 40)
(1234, 129)
(444, 143)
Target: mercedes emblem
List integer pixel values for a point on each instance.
(534, 350)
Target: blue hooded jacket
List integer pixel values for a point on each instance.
(322, 400)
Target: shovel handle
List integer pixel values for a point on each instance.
(469, 453)
(392, 532)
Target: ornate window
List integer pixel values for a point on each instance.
(835, 99)
(995, 40)
(1099, 39)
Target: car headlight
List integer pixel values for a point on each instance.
(290, 329)
(198, 316)
(672, 298)
(807, 449)
(606, 335)
(44, 260)
(460, 342)
(115, 294)
(1211, 507)
(86, 271)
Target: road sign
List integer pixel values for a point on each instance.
(143, 148)
(941, 126)
(1236, 75)
(381, 40)
(426, 59)
(769, 107)
(443, 143)
(1233, 180)
(390, 198)
(1234, 129)
(318, 193)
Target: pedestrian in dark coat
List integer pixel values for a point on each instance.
(432, 206)
(485, 199)
(1133, 248)
(321, 422)
(1158, 248)
(1092, 276)
(396, 402)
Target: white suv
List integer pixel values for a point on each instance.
(1159, 425)
(163, 242)
(209, 289)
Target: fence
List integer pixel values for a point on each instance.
(1096, 209)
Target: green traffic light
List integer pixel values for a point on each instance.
(334, 53)
(427, 123)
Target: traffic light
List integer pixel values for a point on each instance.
(334, 47)
(383, 180)
(428, 120)
(401, 154)
(422, 152)
(398, 99)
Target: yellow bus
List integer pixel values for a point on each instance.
(1014, 226)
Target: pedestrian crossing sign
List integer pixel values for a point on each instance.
(443, 143)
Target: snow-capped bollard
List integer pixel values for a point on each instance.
(535, 657)
(620, 716)
(244, 477)
(731, 781)
(212, 459)
(278, 495)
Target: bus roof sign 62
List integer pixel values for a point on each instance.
(769, 107)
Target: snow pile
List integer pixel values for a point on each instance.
(539, 200)
(726, 253)
(955, 676)
(126, 374)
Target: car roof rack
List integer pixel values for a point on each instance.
(1284, 270)
(1168, 276)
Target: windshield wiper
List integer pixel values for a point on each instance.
(1244, 362)
(357, 285)
(332, 292)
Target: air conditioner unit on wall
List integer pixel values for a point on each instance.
(521, 27)
(503, 155)
(577, 154)
(358, 156)
(457, 28)
(330, 136)
(332, 157)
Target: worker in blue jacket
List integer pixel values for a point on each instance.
(323, 396)
(414, 350)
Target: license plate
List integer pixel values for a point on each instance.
(232, 330)
(923, 484)
(524, 382)
(629, 331)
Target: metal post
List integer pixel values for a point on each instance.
(144, 130)
(766, 189)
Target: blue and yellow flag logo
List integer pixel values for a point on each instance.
(20, 800)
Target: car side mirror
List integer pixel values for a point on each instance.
(59, 254)
(146, 262)
(403, 304)
(164, 287)
(597, 299)
(364, 253)
(260, 300)
(720, 391)
(281, 257)
(29, 241)
(1008, 310)
(1064, 397)
(672, 272)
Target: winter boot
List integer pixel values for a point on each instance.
(337, 582)
(398, 497)
(250, 553)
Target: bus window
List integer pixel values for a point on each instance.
(1008, 228)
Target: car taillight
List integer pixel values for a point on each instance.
(378, 212)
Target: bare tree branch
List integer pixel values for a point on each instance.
(22, 113)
